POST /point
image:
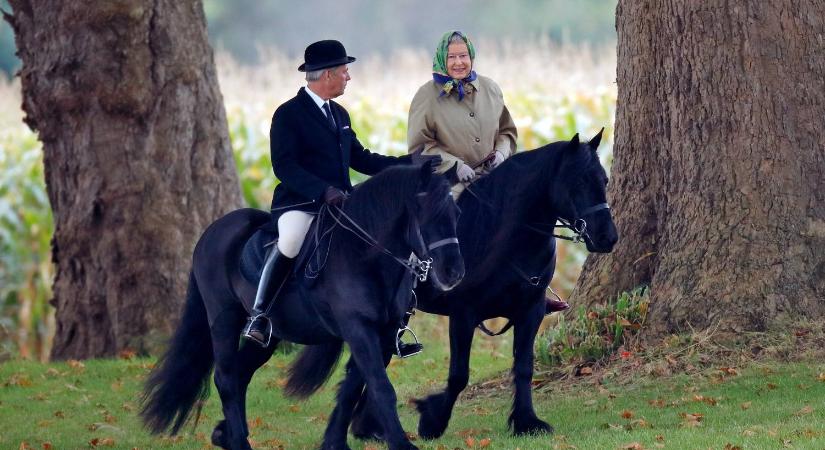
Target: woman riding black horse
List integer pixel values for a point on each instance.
(506, 232)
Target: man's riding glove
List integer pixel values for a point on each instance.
(334, 196)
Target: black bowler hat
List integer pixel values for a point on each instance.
(323, 54)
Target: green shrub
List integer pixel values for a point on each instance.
(595, 334)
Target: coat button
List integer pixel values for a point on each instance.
(472, 114)
(478, 140)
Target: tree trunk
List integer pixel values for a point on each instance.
(718, 181)
(124, 96)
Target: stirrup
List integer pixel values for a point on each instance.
(404, 349)
(267, 331)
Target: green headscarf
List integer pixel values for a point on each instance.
(440, 65)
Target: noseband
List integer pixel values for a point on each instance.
(421, 264)
(579, 226)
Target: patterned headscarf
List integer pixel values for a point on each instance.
(440, 65)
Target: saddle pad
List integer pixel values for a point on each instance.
(310, 260)
(254, 253)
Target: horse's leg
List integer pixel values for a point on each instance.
(335, 436)
(250, 359)
(364, 424)
(367, 352)
(437, 408)
(523, 419)
(230, 433)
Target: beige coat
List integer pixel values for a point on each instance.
(467, 130)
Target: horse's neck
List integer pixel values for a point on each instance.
(389, 231)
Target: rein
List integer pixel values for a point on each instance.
(417, 266)
(577, 226)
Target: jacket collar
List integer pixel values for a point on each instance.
(312, 108)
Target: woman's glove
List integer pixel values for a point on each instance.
(334, 196)
(465, 173)
(495, 161)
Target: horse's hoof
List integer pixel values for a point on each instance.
(219, 435)
(366, 429)
(405, 446)
(433, 422)
(530, 426)
(328, 446)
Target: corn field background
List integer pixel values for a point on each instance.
(552, 91)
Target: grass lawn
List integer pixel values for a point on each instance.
(72, 405)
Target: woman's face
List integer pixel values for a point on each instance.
(459, 64)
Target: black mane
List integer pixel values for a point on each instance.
(378, 202)
(508, 198)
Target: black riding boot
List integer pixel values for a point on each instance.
(274, 274)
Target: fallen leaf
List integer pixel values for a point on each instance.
(745, 405)
(749, 433)
(19, 379)
(691, 420)
(586, 371)
(633, 446)
(255, 423)
(59, 414)
(660, 438)
(658, 403)
(484, 442)
(822, 377)
(804, 411)
(48, 446)
(701, 398)
(732, 447)
(470, 442)
(441, 447)
(294, 408)
(75, 364)
(772, 386)
(126, 354)
(626, 414)
(729, 371)
(24, 446)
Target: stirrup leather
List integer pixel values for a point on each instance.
(407, 349)
(267, 330)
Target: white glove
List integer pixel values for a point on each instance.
(497, 159)
(464, 172)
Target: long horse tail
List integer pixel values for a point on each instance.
(312, 368)
(181, 376)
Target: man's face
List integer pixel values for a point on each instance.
(459, 64)
(337, 81)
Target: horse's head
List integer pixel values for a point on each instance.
(434, 216)
(581, 197)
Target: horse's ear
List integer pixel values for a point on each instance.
(597, 139)
(574, 143)
(425, 173)
(452, 174)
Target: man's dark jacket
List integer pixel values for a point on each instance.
(308, 155)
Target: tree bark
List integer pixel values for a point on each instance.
(124, 96)
(718, 182)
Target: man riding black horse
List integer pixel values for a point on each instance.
(312, 146)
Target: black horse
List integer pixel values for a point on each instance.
(506, 233)
(361, 297)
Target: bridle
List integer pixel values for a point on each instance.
(578, 226)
